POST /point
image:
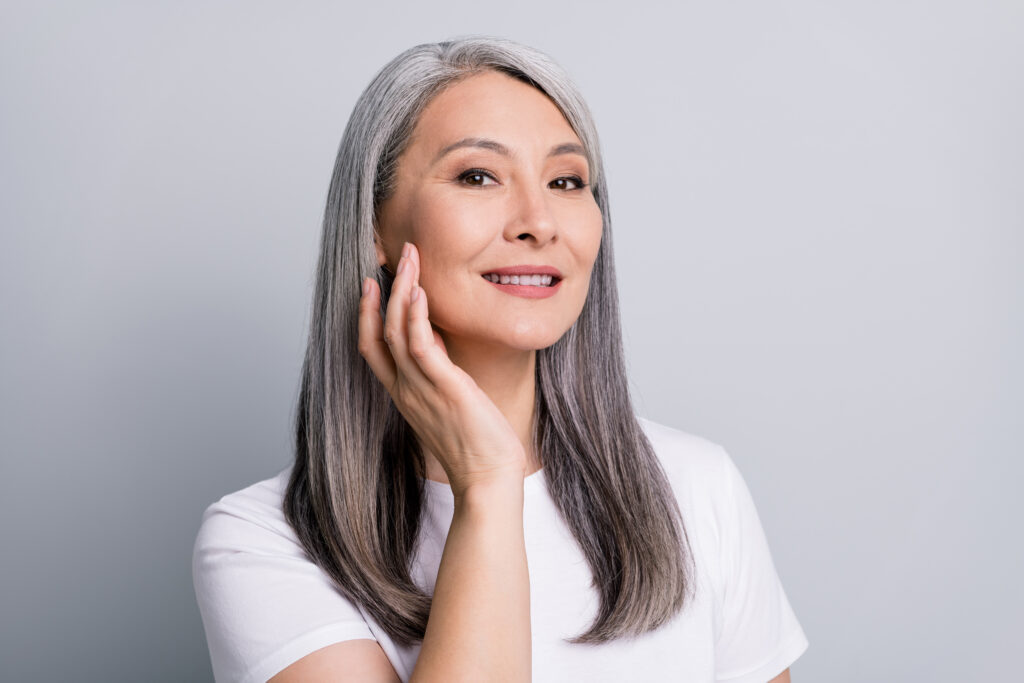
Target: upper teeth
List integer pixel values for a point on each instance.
(535, 280)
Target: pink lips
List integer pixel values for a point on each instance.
(527, 291)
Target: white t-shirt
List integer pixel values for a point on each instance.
(265, 605)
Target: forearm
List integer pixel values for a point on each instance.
(479, 624)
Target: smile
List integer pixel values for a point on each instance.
(527, 280)
(527, 286)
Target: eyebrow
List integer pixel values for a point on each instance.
(494, 146)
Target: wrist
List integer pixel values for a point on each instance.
(494, 490)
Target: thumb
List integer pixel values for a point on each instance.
(440, 342)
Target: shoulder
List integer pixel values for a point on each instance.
(699, 471)
(263, 602)
(250, 519)
(706, 480)
(688, 459)
(677, 442)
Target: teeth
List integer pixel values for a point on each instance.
(531, 280)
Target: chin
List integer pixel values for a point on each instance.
(527, 333)
(532, 337)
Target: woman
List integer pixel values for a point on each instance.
(464, 407)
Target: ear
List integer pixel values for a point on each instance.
(378, 246)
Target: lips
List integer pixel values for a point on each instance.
(528, 291)
(527, 270)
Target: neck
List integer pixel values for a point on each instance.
(508, 377)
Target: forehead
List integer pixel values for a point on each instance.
(491, 105)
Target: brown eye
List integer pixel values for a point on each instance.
(475, 176)
(560, 183)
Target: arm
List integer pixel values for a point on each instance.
(479, 625)
(781, 678)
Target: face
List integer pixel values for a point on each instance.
(519, 198)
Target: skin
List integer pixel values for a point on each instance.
(461, 367)
(526, 209)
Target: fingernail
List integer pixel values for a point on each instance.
(366, 286)
(405, 249)
(415, 293)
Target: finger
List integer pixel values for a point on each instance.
(434, 334)
(396, 323)
(372, 346)
(436, 366)
(425, 349)
(394, 318)
(439, 341)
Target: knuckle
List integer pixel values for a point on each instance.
(390, 336)
(418, 350)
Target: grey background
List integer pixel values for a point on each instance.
(817, 212)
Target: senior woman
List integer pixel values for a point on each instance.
(464, 408)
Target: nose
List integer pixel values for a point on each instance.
(530, 216)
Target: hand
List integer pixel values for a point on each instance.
(452, 417)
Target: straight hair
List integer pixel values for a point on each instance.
(354, 495)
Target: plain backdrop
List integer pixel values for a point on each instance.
(817, 217)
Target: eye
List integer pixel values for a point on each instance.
(559, 183)
(475, 176)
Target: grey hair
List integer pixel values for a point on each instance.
(354, 494)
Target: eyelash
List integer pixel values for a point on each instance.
(580, 185)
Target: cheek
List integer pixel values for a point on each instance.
(450, 234)
(587, 247)
(589, 243)
(446, 229)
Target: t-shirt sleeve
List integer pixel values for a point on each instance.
(264, 604)
(760, 635)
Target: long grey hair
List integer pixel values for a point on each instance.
(354, 495)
